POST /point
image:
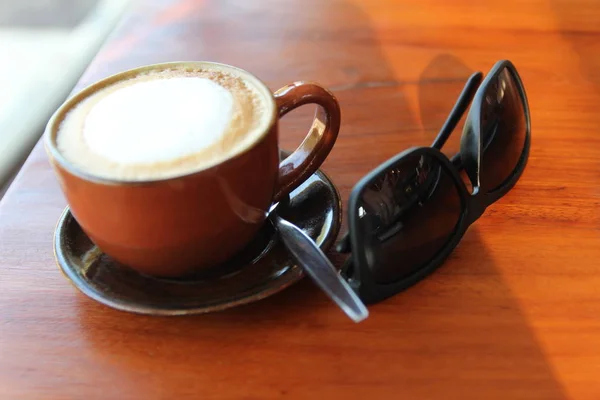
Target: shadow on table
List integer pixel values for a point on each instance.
(573, 22)
(458, 334)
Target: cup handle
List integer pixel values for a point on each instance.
(319, 141)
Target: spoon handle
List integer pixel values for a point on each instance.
(319, 268)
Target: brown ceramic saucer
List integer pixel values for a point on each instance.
(262, 269)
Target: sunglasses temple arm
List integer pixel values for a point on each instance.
(459, 109)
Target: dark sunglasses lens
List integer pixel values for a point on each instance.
(503, 130)
(406, 215)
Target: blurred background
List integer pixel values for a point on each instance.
(45, 46)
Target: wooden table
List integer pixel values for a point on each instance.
(513, 314)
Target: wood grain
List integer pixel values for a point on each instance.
(513, 314)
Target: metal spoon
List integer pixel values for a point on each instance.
(319, 268)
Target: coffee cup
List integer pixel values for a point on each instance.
(171, 168)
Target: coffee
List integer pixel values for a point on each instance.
(163, 123)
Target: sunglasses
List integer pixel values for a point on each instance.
(408, 214)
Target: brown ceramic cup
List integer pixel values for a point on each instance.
(176, 226)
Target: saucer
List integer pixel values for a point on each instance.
(262, 269)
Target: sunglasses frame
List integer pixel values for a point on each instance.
(473, 204)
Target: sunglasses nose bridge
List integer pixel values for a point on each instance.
(470, 153)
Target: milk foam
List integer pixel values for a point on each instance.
(158, 120)
(162, 124)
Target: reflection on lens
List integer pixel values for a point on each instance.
(503, 130)
(406, 215)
